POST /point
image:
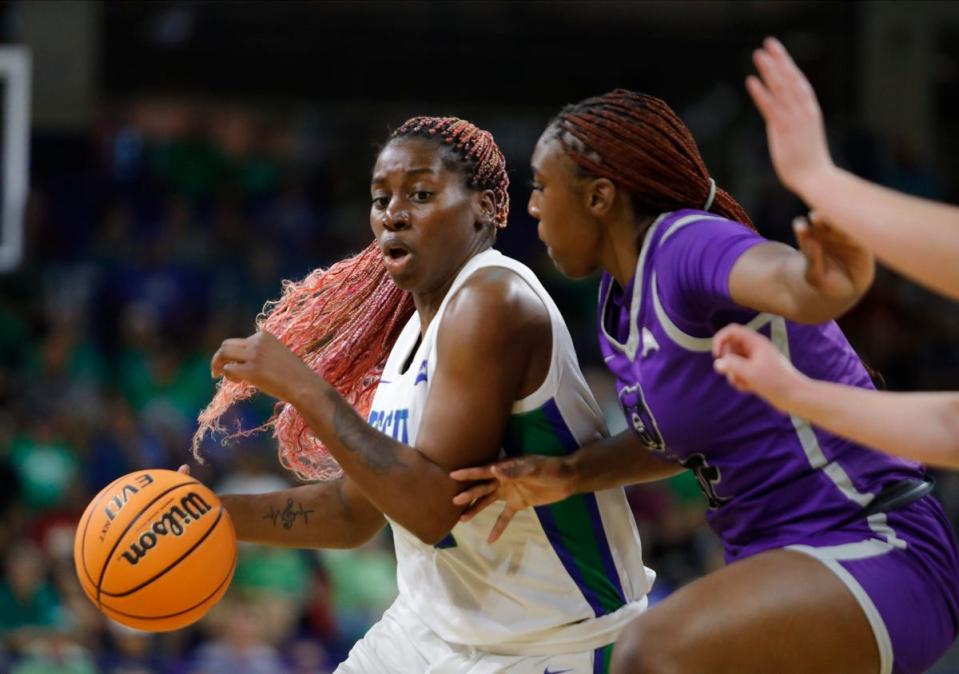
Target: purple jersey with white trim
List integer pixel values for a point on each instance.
(771, 479)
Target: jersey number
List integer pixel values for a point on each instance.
(707, 476)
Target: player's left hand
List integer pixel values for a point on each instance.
(752, 364)
(521, 482)
(794, 126)
(261, 360)
(836, 265)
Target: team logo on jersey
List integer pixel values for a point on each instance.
(420, 374)
(640, 419)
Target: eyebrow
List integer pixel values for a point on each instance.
(411, 172)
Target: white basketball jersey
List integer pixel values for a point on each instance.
(562, 578)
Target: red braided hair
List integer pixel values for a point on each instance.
(343, 321)
(639, 143)
(485, 167)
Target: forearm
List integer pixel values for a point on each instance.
(324, 515)
(805, 303)
(396, 478)
(820, 282)
(919, 426)
(615, 462)
(917, 237)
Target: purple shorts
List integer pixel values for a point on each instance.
(906, 579)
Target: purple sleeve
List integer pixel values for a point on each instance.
(692, 268)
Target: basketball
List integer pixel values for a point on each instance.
(154, 550)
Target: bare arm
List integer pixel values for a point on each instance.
(492, 327)
(919, 426)
(325, 515)
(616, 462)
(916, 237)
(821, 281)
(538, 480)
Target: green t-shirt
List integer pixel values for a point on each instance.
(41, 610)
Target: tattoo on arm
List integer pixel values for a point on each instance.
(357, 437)
(287, 516)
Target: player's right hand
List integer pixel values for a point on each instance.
(521, 482)
(752, 364)
(794, 126)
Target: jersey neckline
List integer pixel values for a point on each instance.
(632, 342)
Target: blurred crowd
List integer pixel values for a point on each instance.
(163, 233)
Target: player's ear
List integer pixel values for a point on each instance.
(484, 209)
(600, 193)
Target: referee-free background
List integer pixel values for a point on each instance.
(187, 156)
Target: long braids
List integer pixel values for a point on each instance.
(343, 321)
(639, 143)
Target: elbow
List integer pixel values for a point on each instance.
(430, 538)
(433, 532)
(814, 308)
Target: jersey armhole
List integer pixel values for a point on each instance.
(545, 390)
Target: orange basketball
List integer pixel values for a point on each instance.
(155, 550)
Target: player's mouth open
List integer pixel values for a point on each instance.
(396, 253)
(396, 256)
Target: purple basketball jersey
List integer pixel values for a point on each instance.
(770, 479)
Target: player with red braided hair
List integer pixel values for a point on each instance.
(431, 351)
(840, 560)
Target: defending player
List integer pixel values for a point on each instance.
(839, 560)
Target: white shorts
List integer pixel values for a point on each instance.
(401, 644)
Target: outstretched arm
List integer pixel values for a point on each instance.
(324, 515)
(825, 278)
(916, 237)
(539, 480)
(918, 426)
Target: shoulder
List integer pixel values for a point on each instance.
(694, 258)
(495, 305)
(698, 243)
(699, 227)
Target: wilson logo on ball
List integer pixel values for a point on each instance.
(173, 521)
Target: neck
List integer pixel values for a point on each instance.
(621, 253)
(427, 302)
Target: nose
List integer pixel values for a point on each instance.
(532, 207)
(396, 219)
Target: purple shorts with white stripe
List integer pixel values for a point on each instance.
(908, 587)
